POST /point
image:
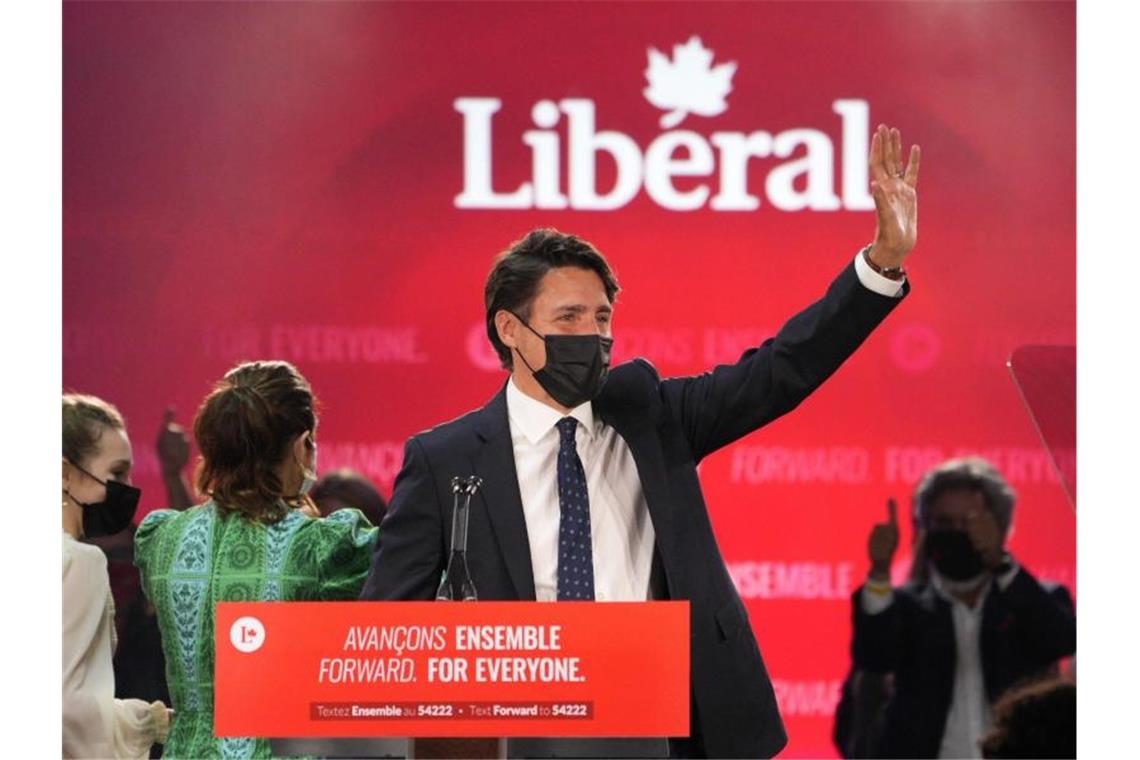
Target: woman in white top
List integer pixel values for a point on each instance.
(97, 500)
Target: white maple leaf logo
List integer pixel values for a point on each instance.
(689, 83)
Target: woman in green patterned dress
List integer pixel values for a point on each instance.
(253, 540)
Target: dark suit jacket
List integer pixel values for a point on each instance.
(669, 425)
(1025, 629)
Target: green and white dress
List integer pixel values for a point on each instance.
(191, 560)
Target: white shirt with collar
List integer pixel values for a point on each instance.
(621, 531)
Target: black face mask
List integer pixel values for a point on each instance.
(114, 513)
(576, 366)
(953, 554)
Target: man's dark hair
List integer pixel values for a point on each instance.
(513, 281)
(347, 488)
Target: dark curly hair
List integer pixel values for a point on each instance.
(1037, 719)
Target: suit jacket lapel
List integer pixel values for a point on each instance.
(494, 461)
(997, 622)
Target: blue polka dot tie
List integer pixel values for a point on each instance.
(575, 551)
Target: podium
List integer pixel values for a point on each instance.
(462, 680)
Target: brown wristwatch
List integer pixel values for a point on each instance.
(891, 273)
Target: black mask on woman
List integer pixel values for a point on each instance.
(953, 554)
(576, 366)
(114, 513)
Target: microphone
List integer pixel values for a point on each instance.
(456, 582)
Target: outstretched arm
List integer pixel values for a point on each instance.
(730, 401)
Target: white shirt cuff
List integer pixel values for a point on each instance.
(874, 281)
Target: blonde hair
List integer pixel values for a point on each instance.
(84, 420)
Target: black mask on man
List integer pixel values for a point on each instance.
(953, 554)
(114, 513)
(576, 366)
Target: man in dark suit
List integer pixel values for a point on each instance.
(590, 488)
(967, 628)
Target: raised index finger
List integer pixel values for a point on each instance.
(892, 511)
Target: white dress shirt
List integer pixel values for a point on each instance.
(621, 531)
(970, 715)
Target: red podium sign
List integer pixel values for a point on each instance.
(452, 669)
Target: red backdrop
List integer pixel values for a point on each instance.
(281, 180)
